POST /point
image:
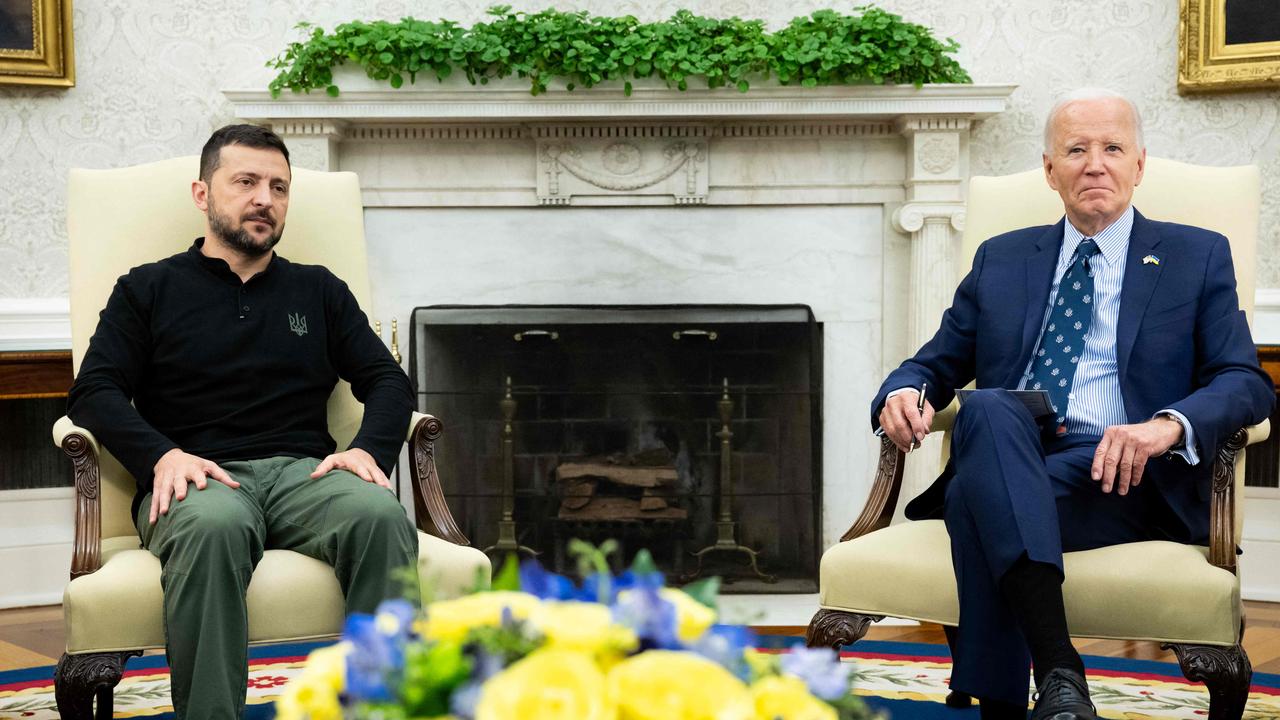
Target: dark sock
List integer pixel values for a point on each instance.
(1033, 591)
(999, 710)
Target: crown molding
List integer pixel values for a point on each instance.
(35, 324)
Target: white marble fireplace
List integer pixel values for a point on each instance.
(838, 198)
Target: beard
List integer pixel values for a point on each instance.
(237, 237)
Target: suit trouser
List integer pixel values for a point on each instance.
(209, 543)
(1018, 493)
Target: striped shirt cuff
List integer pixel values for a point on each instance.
(1187, 448)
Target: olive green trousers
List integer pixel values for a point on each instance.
(209, 543)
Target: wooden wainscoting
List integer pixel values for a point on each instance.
(28, 375)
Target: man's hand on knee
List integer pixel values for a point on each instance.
(1122, 454)
(355, 461)
(171, 474)
(903, 422)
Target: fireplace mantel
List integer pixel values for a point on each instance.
(883, 171)
(654, 147)
(363, 100)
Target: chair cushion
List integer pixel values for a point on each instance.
(119, 607)
(1161, 591)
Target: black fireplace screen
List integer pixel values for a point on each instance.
(693, 431)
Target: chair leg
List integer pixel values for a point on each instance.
(833, 628)
(79, 678)
(955, 698)
(1225, 671)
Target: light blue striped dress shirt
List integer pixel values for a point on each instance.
(1095, 402)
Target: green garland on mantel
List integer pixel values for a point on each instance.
(826, 48)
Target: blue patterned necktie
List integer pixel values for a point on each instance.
(1063, 340)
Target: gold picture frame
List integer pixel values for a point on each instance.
(1211, 61)
(36, 46)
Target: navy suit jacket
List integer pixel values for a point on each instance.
(1182, 342)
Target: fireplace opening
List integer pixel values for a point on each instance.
(693, 431)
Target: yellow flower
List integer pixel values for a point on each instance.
(313, 695)
(306, 698)
(548, 684)
(760, 663)
(670, 685)
(692, 617)
(787, 698)
(583, 626)
(329, 665)
(451, 619)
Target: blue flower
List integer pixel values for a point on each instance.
(372, 659)
(539, 582)
(395, 618)
(820, 669)
(727, 645)
(377, 653)
(593, 585)
(650, 617)
(465, 698)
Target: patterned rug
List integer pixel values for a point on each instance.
(909, 680)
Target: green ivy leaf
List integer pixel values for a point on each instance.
(508, 578)
(826, 47)
(705, 591)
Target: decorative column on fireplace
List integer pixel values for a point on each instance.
(673, 428)
(934, 217)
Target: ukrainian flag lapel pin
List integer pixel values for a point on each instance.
(1151, 260)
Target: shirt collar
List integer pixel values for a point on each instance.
(1112, 241)
(221, 269)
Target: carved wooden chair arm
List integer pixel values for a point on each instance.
(1222, 506)
(428, 497)
(82, 447)
(878, 511)
(882, 501)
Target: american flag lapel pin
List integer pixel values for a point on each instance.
(1151, 260)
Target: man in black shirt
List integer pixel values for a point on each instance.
(217, 364)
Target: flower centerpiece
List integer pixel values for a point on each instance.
(537, 646)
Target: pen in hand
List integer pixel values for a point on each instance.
(919, 408)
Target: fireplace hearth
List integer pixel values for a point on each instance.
(693, 431)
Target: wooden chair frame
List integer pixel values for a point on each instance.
(1225, 670)
(80, 678)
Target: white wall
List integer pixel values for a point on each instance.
(149, 74)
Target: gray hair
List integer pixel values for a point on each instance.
(1091, 93)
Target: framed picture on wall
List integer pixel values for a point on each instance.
(36, 47)
(1228, 45)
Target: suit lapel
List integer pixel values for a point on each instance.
(1039, 277)
(1139, 285)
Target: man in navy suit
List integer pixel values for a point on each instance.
(1134, 330)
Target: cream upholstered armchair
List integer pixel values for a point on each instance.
(1187, 598)
(118, 219)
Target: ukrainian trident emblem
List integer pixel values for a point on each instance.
(298, 324)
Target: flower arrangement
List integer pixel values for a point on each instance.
(538, 647)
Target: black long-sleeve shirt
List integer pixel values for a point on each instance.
(233, 371)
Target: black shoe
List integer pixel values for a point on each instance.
(989, 709)
(1063, 695)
